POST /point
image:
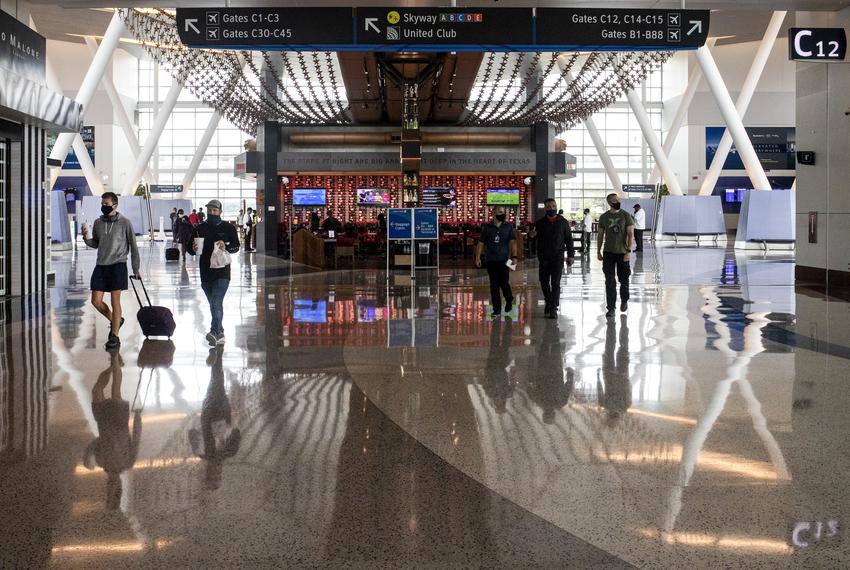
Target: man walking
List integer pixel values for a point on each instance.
(615, 235)
(201, 216)
(640, 225)
(114, 239)
(193, 217)
(215, 280)
(249, 230)
(554, 237)
(587, 229)
(498, 238)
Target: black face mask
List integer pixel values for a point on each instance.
(106, 210)
(501, 217)
(616, 205)
(214, 220)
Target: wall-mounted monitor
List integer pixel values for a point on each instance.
(373, 197)
(309, 197)
(503, 196)
(443, 197)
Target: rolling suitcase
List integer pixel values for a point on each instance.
(172, 254)
(155, 321)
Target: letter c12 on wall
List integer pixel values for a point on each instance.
(817, 44)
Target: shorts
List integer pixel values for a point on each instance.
(108, 278)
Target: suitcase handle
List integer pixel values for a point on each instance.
(139, 299)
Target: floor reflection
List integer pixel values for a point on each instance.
(356, 420)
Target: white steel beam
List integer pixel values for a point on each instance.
(153, 137)
(679, 118)
(189, 177)
(88, 86)
(744, 99)
(119, 110)
(92, 177)
(590, 125)
(651, 138)
(734, 124)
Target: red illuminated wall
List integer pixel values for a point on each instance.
(342, 195)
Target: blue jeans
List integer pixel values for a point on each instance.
(215, 290)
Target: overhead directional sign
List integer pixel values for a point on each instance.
(458, 27)
(282, 27)
(627, 28)
(442, 29)
(817, 44)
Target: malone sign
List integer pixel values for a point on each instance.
(22, 51)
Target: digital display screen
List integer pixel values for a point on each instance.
(310, 311)
(445, 197)
(503, 196)
(373, 197)
(309, 197)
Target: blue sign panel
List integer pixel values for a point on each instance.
(400, 223)
(425, 223)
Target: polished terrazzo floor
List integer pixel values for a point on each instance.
(352, 422)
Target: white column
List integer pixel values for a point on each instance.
(88, 86)
(199, 153)
(654, 144)
(679, 118)
(119, 110)
(153, 137)
(734, 124)
(610, 170)
(744, 98)
(92, 177)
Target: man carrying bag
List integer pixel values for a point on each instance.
(215, 240)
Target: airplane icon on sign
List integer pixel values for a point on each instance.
(212, 33)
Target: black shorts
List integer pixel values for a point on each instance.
(109, 277)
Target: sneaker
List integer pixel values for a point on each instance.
(546, 310)
(624, 306)
(610, 314)
(113, 342)
(497, 314)
(509, 305)
(219, 339)
(211, 338)
(552, 314)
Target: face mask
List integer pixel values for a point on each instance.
(616, 205)
(106, 210)
(551, 213)
(213, 219)
(501, 217)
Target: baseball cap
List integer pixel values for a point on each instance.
(214, 204)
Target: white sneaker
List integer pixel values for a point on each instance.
(211, 339)
(219, 339)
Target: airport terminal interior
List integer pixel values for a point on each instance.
(424, 284)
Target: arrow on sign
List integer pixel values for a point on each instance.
(370, 23)
(696, 26)
(190, 23)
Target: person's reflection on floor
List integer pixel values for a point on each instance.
(114, 450)
(497, 382)
(550, 384)
(217, 439)
(616, 394)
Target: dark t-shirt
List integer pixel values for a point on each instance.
(223, 231)
(496, 240)
(614, 225)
